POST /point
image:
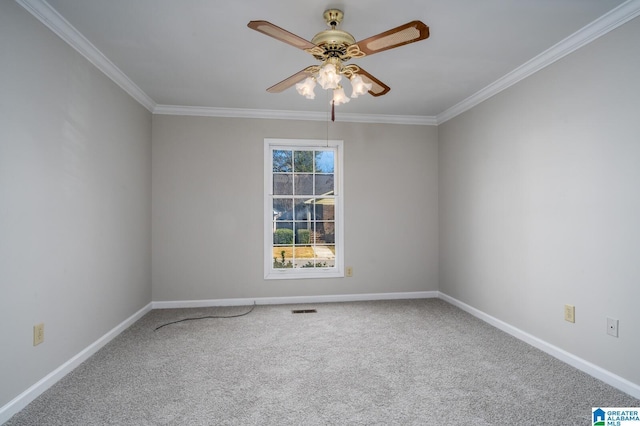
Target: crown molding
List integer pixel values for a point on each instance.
(46, 14)
(293, 115)
(67, 32)
(601, 26)
(61, 27)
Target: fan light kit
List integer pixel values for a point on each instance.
(333, 48)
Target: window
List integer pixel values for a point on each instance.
(303, 209)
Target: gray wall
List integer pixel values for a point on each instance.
(208, 206)
(75, 176)
(536, 202)
(540, 203)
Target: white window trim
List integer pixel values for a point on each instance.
(336, 271)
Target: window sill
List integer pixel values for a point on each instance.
(289, 274)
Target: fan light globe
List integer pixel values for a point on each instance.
(328, 77)
(339, 96)
(306, 88)
(359, 86)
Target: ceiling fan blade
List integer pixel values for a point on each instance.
(378, 88)
(399, 36)
(289, 81)
(280, 34)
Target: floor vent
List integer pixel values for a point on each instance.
(304, 311)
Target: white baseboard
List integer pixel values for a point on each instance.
(564, 356)
(293, 300)
(22, 400)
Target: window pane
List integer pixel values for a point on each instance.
(303, 230)
(283, 233)
(325, 232)
(282, 257)
(303, 184)
(282, 161)
(324, 184)
(282, 209)
(324, 162)
(303, 254)
(303, 210)
(303, 161)
(325, 209)
(283, 184)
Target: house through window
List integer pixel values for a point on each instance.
(303, 209)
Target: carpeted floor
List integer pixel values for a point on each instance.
(363, 363)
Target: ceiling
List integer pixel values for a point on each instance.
(200, 53)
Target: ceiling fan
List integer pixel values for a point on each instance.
(334, 47)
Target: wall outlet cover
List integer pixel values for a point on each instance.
(570, 313)
(38, 334)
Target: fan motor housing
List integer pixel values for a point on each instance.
(334, 42)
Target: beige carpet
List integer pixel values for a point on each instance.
(422, 362)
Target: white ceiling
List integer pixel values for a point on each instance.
(200, 53)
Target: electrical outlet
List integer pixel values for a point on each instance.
(349, 271)
(570, 313)
(612, 327)
(38, 334)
